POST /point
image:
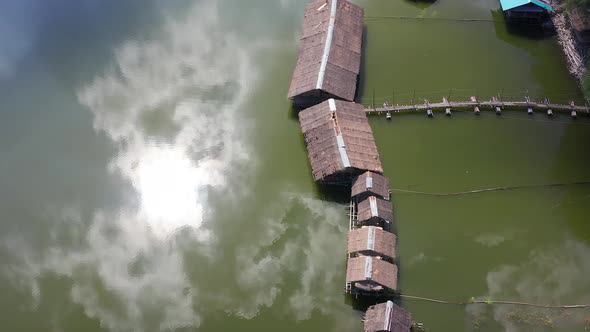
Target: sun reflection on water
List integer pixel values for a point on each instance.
(168, 184)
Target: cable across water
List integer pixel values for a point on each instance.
(477, 191)
(489, 301)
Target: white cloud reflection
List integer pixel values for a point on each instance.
(555, 275)
(174, 108)
(191, 83)
(170, 106)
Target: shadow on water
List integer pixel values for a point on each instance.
(527, 38)
(362, 303)
(508, 31)
(293, 112)
(334, 193)
(422, 4)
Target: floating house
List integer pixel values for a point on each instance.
(329, 57)
(370, 184)
(375, 211)
(387, 317)
(339, 140)
(371, 276)
(371, 241)
(526, 11)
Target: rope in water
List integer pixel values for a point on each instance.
(489, 301)
(477, 191)
(457, 19)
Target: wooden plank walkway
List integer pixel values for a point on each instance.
(475, 104)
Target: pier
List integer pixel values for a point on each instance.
(493, 104)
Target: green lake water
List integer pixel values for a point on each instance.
(154, 178)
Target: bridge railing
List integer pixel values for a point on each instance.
(377, 98)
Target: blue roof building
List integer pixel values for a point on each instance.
(526, 11)
(526, 5)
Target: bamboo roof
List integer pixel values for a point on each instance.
(370, 269)
(339, 139)
(330, 49)
(374, 207)
(372, 239)
(372, 183)
(387, 317)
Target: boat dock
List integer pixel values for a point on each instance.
(493, 104)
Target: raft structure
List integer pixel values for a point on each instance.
(342, 151)
(329, 60)
(339, 140)
(388, 317)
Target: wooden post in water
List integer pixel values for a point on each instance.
(448, 108)
(476, 107)
(574, 114)
(528, 102)
(428, 109)
(549, 110)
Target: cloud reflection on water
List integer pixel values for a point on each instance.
(556, 275)
(174, 108)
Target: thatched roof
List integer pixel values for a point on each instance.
(330, 50)
(387, 317)
(374, 208)
(339, 140)
(372, 183)
(372, 241)
(374, 273)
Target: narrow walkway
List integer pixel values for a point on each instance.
(474, 103)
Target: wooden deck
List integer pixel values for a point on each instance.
(475, 105)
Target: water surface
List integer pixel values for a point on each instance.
(153, 177)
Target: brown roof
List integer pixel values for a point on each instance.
(374, 207)
(373, 183)
(372, 239)
(337, 73)
(387, 317)
(367, 268)
(339, 139)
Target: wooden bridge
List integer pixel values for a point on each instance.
(494, 104)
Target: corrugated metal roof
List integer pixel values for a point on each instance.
(330, 50)
(369, 181)
(339, 139)
(370, 184)
(328, 45)
(371, 238)
(342, 150)
(510, 4)
(388, 316)
(368, 267)
(374, 209)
